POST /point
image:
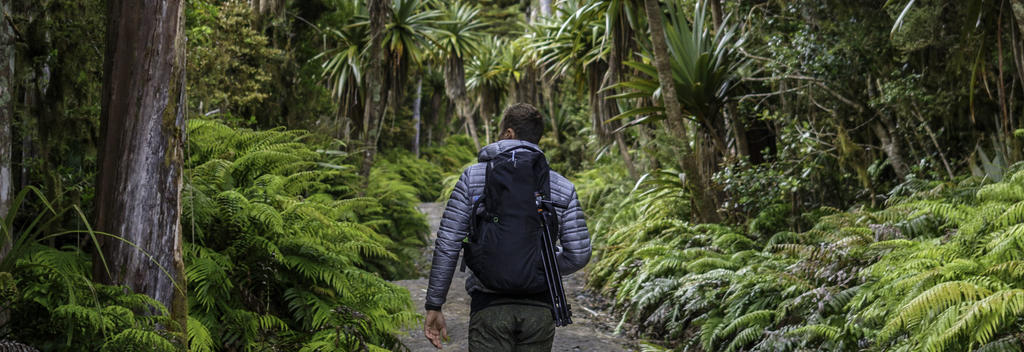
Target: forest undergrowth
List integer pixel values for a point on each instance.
(830, 176)
(937, 268)
(286, 248)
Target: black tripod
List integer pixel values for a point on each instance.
(559, 306)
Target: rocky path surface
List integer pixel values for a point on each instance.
(590, 331)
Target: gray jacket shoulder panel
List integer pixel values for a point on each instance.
(574, 239)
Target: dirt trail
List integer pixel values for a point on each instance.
(590, 330)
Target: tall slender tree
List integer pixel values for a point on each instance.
(142, 124)
(416, 107)
(702, 201)
(618, 29)
(376, 85)
(457, 37)
(578, 47)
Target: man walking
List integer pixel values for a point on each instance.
(503, 317)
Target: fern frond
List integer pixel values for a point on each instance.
(136, 340)
(759, 318)
(744, 338)
(828, 332)
(1004, 192)
(199, 339)
(937, 298)
(982, 320)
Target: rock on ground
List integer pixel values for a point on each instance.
(590, 330)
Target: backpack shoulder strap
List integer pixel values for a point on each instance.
(523, 146)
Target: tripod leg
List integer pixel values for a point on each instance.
(564, 312)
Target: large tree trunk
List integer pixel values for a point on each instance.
(702, 197)
(373, 110)
(138, 188)
(416, 117)
(524, 89)
(27, 135)
(6, 142)
(455, 88)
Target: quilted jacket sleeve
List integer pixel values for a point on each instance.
(454, 228)
(574, 238)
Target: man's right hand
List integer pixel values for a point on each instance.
(434, 328)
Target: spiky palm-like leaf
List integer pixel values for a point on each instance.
(705, 64)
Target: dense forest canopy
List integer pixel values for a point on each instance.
(771, 175)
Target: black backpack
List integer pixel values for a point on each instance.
(504, 244)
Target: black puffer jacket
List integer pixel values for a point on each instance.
(574, 240)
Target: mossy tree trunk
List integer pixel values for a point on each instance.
(549, 103)
(142, 124)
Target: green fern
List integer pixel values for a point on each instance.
(938, 270)
(279, 243)
(51, 292)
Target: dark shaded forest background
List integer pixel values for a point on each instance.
(771, 175)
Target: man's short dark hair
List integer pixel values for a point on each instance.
(525, 120)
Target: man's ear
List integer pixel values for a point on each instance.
(508, 134)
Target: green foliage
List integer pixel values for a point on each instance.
(343, 62)
(424, 176)
(568, 45)
(49, 293)
(282, 251)
(453, 155)
(934, 271)
(288, 246)
(459, 29)
(228, 60)
(705, 64)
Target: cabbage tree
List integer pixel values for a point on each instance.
(705, 65)
(457, 35)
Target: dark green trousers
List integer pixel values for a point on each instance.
(511, 328)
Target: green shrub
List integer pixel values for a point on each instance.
(425, 177)
(51, 299)
(935, 271)
(453, 154)
(281, 251)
